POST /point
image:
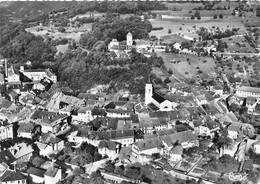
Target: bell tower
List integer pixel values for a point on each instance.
(148, 91)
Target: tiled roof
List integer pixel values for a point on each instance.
(249, 89)
(51, 172)
(6, 157)
(36, 171)
(159, 114)
(179, 137)
(158, 98)
(50, 138)
(10, 176)
(26, 127)
(5, 103)
(149, 144)
(21, 150)
(111, 145)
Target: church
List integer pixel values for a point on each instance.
(154, 99)
(123, 48)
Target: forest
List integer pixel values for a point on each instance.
(88, 64)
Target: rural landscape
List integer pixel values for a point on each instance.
(150, 92)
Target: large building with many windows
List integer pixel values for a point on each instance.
(6, 130)
(246, 91)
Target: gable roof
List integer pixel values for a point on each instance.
(158, 98)
(149, 144)
(7, 157)
(51, 172)
(179, 137)
(36, 171)
(11, 176)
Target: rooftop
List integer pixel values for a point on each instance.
(249, 89)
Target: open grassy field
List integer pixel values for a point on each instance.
(187, 25)
(186, 69)
(71, 33)
(173, 38)
(62, 48)
(239, 44)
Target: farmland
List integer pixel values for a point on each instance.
(187, 66)
(187, 26)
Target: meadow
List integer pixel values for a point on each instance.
(187, 66)
(187, 26)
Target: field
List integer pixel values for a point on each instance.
(187, 25)
(62, 48)
(71, 33)
(173, 38)
(239, 44)
(188, 69)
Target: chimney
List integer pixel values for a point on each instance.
(6, 68)
(21, 68)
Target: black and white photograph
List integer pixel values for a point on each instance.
(130, 92)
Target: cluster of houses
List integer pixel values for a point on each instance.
(36, 106)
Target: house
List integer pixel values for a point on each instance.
(22, 152)
(147, 147)
(36, 174)
(36, 75)
(245, 91)
(256, 147)
(201, 99)
(64, 104)
(173, 87)
(28, 130)
(7, 157)
(230, 149)
(52, 175)
(56, 143)
(2, 79)
(200, 128)
(6, 130)
(118, 113)
(217, 89)
(50, 121)
(186, 138)
(83, 114)
(251, 103)
(233, 130)
(175, 154)
(12, 177)
(108, 148)
(124, 137)
(45, 149)
(12, 76)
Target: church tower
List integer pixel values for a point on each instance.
(129, 39)
(148, 92)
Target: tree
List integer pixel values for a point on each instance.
(169, 31)
(258, 11)
(109, 167)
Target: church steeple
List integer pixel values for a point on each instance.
(148, 91)
(129, 39)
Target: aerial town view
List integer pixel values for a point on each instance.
(127, 92)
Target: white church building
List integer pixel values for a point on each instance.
(160, 102)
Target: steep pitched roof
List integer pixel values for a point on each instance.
(158, 98)
(149, 144)
(10, 176)
(36, 171)
(7, 157)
